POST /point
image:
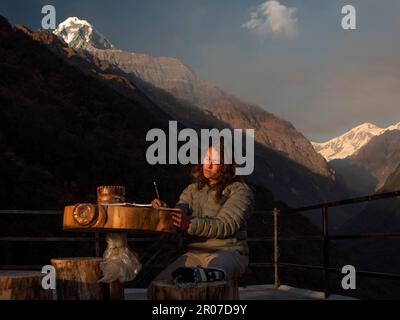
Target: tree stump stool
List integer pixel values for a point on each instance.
(167, 290)
(77, 279)
(23, 285)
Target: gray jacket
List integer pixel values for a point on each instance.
(218, 226)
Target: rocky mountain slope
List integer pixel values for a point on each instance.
(367, 170)
(380, 156)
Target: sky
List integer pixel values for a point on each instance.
(291, 57)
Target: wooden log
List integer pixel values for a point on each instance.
(116, 290)
(167, 290)
(88, 217)
(77, 279)
(23, 285)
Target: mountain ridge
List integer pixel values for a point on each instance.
(350, 142)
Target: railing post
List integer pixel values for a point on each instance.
(97, 243)
(277, 279)
(326, 250)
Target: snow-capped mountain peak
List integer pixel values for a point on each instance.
(351, 141)
(394, 127)
(79, 33)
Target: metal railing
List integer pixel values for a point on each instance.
(325, 237)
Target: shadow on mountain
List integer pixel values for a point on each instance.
(357, 179)
(380, 156)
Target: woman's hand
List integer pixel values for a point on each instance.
(180, 220)
(157, 203)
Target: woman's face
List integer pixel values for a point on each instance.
(211, 165)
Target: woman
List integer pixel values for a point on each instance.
(214, 210)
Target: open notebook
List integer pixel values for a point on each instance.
(133, 204)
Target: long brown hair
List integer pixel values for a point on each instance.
(226, 174)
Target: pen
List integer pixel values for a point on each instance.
(155, 187)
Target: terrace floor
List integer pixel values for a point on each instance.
(257, 292)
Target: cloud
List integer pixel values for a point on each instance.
(272, 17)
